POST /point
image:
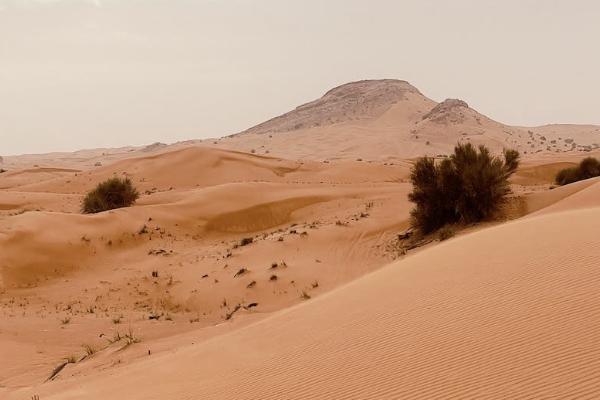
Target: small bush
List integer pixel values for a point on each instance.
(468, 186)
(110, 194)
(246, 241)
(588, 168)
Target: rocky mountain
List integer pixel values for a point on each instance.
(391, 119)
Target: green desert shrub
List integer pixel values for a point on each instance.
(588, 168)
(110, 194)
(466, 187)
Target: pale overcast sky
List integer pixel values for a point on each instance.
(92, 73)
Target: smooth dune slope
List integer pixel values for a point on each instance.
(512, 311)
(171, 263)
(582, 194)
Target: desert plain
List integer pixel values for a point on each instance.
(277, 263)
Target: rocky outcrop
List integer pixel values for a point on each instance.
(352, 101)
(450, 111)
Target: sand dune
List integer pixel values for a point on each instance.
(278, 272)
(195, 166)
(306, 218)
(454, 321)
(314, 226)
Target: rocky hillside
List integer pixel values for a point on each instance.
(391, 119)
(354, 101)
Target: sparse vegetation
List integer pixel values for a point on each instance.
(72, 359)
(241, 272)
(588, 168)
(232, 312)
(246, 241)
(89, 349)
(130, 338)
(469, 186)
(110, 194)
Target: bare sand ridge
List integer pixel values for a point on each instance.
(507, 312)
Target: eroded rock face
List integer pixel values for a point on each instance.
(449, 111)
(352, 101)
(153, 147)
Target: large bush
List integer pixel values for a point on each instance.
(588, 168)
(110, 194)
(468, 186)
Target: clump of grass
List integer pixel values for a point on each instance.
(65, 320)
(72, 359)
(304, 295)
(89, 349)
(116, 338)
(109, 195)
(130, 338)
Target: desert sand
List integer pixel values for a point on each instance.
(268, 265)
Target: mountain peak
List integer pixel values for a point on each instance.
(359, 100)
(448, 111)
(369, 87)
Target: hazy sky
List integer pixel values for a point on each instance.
(89, 73)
